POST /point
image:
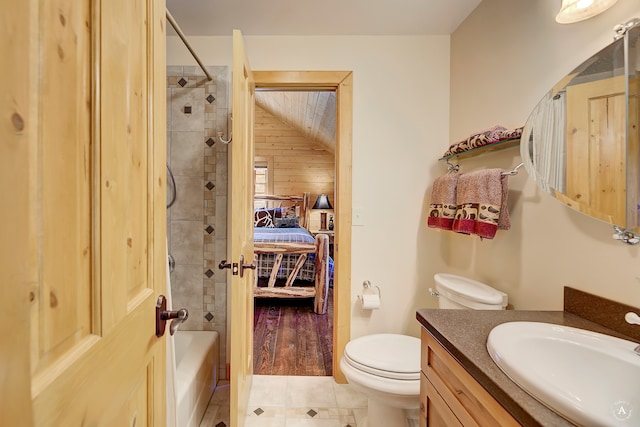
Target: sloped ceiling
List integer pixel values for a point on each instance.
(313, 114)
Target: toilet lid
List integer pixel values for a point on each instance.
(386, 355)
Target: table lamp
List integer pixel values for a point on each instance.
(322, 202)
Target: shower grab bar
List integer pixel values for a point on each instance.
(176, 27)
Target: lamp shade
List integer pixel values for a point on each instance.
(578, 10)
(322, 202)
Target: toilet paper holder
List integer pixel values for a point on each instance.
(368, 289)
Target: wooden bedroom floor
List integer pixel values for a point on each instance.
(290, 339)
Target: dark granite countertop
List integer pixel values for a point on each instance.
(464, 334)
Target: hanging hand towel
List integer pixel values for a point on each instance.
(442, 209)
(482, 203)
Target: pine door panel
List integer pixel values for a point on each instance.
(89, 212)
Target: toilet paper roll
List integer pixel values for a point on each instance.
(370, 301)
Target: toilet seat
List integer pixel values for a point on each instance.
(390, 356)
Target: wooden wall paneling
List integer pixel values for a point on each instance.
(299, 163)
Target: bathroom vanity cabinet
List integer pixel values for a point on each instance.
(449, 396)
(462, 386)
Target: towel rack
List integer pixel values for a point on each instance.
(451, 167)
(514, 171)
(456, 168)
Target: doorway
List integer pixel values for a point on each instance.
(341, 83)
(294, 133)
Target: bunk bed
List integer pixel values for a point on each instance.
(285, 249)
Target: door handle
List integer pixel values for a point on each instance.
(224, 264)
(251, 266)
(162, 315)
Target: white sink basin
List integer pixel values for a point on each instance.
(589, 378)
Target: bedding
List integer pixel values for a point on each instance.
(286, 234)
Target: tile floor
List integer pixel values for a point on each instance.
(287, 401)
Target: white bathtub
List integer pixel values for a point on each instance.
(196, 374)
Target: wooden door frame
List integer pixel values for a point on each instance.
(342, 83)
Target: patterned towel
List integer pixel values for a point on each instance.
(442, 209)
(482, 203)
(490, 136)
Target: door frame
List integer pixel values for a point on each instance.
(342, 83)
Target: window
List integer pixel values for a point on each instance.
(262, 181)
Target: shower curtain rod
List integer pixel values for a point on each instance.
(176, 27)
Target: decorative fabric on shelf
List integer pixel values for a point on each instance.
(481, 139)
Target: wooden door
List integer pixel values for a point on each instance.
(240, 243)
(596, 149)
(82, 247)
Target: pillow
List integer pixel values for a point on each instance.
(267, 217)
(264, 218)
(288, 212)
(287, 222)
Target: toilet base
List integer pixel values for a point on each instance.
(379, 415)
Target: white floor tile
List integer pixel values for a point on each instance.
(270, 390)
(288, 401)
(311, 392)
(348, 397)
(265, 422)
(312, 423)
(360, 414)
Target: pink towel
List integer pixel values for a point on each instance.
(442, 209)
(482, 203)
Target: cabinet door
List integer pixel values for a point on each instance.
(434, 412)
(469, 401)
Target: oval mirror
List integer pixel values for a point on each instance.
(581, 142)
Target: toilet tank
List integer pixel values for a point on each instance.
(462, 292)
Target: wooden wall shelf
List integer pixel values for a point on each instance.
(496, 146)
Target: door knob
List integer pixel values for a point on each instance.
(177, 317)
(224, 264)
(251, 266)
(236, 267)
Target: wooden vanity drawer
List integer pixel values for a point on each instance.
(467, 399)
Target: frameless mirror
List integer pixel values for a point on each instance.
(581, 142)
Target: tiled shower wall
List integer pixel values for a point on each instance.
(196, 222)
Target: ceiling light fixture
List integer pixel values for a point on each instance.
(578, 10)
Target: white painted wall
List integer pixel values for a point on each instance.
(401, 122)
(504, 58)
(493, 70)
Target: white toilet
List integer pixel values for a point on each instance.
(386, 367)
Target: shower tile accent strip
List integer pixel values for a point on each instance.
(213, 114)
